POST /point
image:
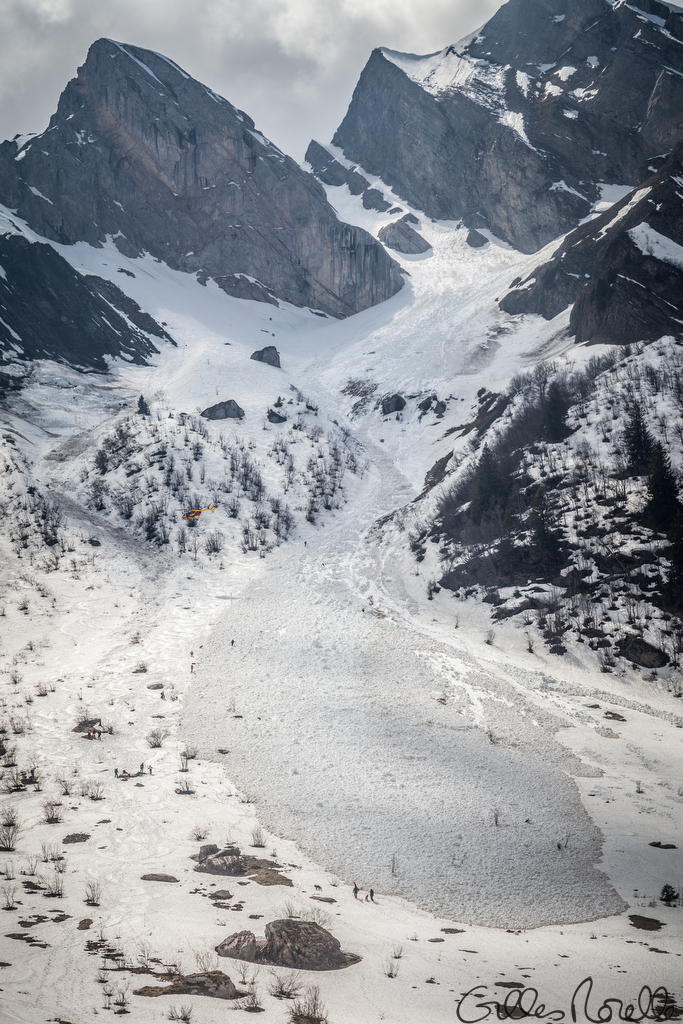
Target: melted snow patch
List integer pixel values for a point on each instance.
(651, 243)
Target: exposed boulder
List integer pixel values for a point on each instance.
(141, 152)
(275, 417)
(228, 410)
(331, 172)
(393, 403)
(298, 945)
(207, 983)
(400, 236)
(232, 863)
(373, 199)
(269, 355)
(476, 239)
(156, 877)
(240, 946)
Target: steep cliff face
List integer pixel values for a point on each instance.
(514, 129)
(141, 151)
(622, 271)
(49, 311)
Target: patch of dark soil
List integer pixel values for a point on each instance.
(76, 837)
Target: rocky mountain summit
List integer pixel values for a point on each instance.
(515, 129)
(140, 151)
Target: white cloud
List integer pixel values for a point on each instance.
(291, 64)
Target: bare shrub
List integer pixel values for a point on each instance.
(140, 668)
(8, 837)
(54, 887)
(184, 787)
(285, 986)
(30, 866)
(157, 736)
(93, 893)
(258, 837)
(206, 960)
(65, 785)
(52, 812)
(199, 832)
(391, 967)
(184, 1014)
(309, 1009)
(213, 545)
(490, 636)
(183, 762)
(9, 897)
(190, 752)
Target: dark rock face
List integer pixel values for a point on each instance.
(207, 983)
(476, 239)
(373, 199)
(275, 417)
(49, 311)
(623, 270)
(331, 172)
(299, 945)
(158, 878)
(269, 355)
(393, 403)
(513, 130)
(400, 236)
(140, 151)
(228, 410)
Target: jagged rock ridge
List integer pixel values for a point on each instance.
(623, 271)
(140, 151)
(49, 311)
(515, 129)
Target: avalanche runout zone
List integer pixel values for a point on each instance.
(352, 756)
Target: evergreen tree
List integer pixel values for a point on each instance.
(546, 550)
(668, 894)
(487, 486)
(143, 408)
(663, 506)
(638, 440)
(554, 413)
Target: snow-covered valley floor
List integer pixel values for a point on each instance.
(471, 785)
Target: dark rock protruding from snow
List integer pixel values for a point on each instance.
(269, 355)
(373, 199)
(228, 410)
(214, 984)
(393, 403)
(49, 311)
(275, 417)
(331, 172)
(514, 130)
(298, 945)
(622, 271)
(476, 239)
(140, 151)
(400, 236)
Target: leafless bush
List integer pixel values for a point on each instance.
(8, 815)
(258, 837)
(93, 893)
(12, 782)
(30, 866)
(8, 894)
(391, 967)
(94, 790)
(252, 1000)
(65, 785)
(184, 788)
(9, 871)
(183, 762)
(140, 668)
(52, 812)
(214, 542)
(530, 643)
(397, 952)
(54, 887)
(285, 986)
(190, 752)
(206, 960)
(157, 736)
(309, 1009)
(184, 1013)
(291, 910)
(490, 636)
(199, 832)
(8, 837)
(121, 998)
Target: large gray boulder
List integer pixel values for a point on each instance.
(515, 128)
(299, 945)
(402, 238)
(269, 355)
(140, 151)
(228, 410)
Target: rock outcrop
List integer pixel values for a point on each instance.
(141, 152)
(400, 236)
(299, 945)
(207, 983)
(228, 410)
(514, 129)
(623, 271)
(269, 355)
(49, 311)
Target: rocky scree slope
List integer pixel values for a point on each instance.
(623, 271)
(141, 151)
(514, 129)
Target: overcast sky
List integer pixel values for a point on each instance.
(291, 64)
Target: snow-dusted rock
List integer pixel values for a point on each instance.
(269, 355)
(400, 236)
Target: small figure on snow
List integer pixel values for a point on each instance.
(142, 767)
(355, 891)
(372, 895)
(116, 773)
(162, 695)
(150, 768)
(232, 643)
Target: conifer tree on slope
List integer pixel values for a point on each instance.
(638, 440)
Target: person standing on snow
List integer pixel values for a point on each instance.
(355, 891)
(372, 895)
(116, 773)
